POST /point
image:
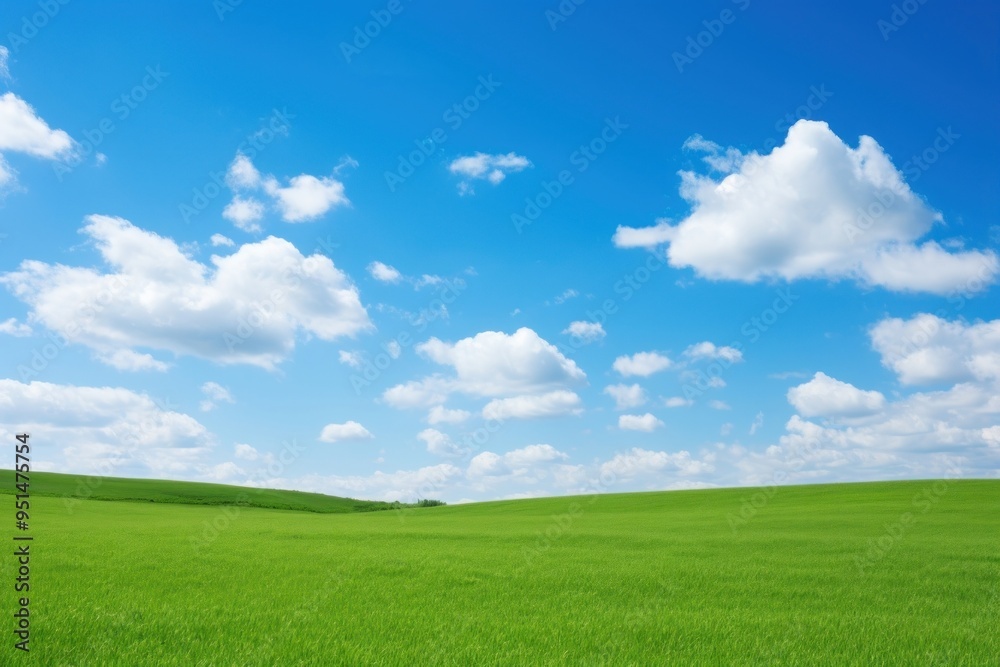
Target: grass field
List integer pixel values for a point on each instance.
(862, 574)
(83, 487)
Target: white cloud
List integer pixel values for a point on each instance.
(246, 452)
(352, 359)
(585, 332)
(351, 430)
(642, 364)
(553, 404)
(516, 462)
(129, 360)
(22, 131)
(626, 396)
(646, 422)
(639, 462)
(439, 444)
(493, 168)
(246, 308)
(12, 327)
(441, 415)
(402, 485)
(927, 349)
(214, 393)
(824, 396)
(4, 70)
(718, 405)
(758, 422)
(678, 402)
(384, 273)
(813, 208)
(992, 436)
(242, 175)
(394, 349)
(103, 430)
(707, 350)
(491, 363)
(244, 213)
(306, 197)
(220, 240)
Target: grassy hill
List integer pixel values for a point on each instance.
(853, 574)
(187, 493)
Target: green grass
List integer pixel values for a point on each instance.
(82, 487)
(653, 578)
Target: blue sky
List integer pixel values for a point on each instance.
(486, 252)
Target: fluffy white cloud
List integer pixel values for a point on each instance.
(214, 393)
(991, 436)
(441, 415)
(642, 364)
(246, 452)
(647, 423)
(129, 360)
(439, 444)
(707, 350)
(352, 359)
(22, 131)
(639, 462)
(242, 175)
(304, 198)
(813, 208)
(384, 273)
(491, 363)
(12, 327)
(824, 396)
(493, 168)
(626, 396)
(678, 402)
(244, 213)
(553, 404)
(585, 332)
(103, 430)
(718, 405)
(351, 430)
(516, 462)
(220, 240)
(926, 349)
(246, 308)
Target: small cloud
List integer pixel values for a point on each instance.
(128, 360)
(707, 350)
(482, 166)
(384, 273)
(758, 422)
(647, 423)
(726, 429)
(14, 328)
(214, 393)
(246, 452)
(626, 396)
(642, 364)
(678, 402)
(352, 359)
(351, 430)
(220, 240)
(719, 405)
(585, 332)
(442, 415)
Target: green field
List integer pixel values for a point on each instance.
(863, 574)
